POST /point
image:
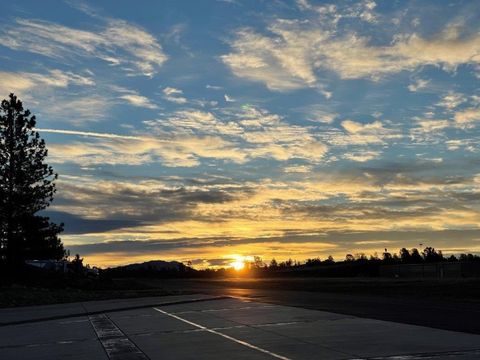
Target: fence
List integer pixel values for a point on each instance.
(432, 270)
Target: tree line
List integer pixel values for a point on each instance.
(403, 256)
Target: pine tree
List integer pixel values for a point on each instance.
(27, 186)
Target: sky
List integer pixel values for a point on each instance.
(205, 131)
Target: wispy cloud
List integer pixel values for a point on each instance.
(418, 84)
(298, 169)
(174, 95)
(293, 53)
(429, 130)
(113, 149)
(262, 134)
(139, 101)
(77, 109)
(228, 98)
(362, 156)
(467, 117)
(368, 133)
(118, 43)
(213, 87)
(452, 100)
(22, 83)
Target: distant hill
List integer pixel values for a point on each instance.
(153, 265)
(151, 268)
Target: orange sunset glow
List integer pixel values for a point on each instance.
(315, 129)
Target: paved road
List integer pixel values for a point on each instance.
(208, 327)
(432, 312)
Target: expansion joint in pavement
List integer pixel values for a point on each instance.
(116, 344)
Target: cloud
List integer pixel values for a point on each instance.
(174, 95)
(23, 83)
(362, 134)
(362, 156)
(59, 95)
(353, 127)
(319, 114)
(467, 116)
(333, 13)
(337, 207)
(280, 63)
(293, 53)
(186, 137)
(419, 84)
(228, 98)
(204, 252)
(273, 137)
(431, 125)
(260, 133)
(137, 203)
(77, 110)
(118, 43)
(175, 152)
(194, 122)
(452, 100)
(429, 130)
(139, 101)
(298, 169)
(213, 87)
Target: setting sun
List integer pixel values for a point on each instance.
(239, 261)
(238, 265)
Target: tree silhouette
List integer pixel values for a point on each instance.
(405, 255)
(415, 256)
(387, 256)
(431, 255)
(27, 186)
(273, 264)
(349, 257)
(77, 264)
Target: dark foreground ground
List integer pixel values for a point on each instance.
(443, 304)
(20, 294)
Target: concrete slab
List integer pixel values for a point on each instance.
(148, 321)
(224, 329)
(326, 334)
(71, 338)
(88, 349)
(194, 345)
(289, 347)
(373, 338)
(78, 329)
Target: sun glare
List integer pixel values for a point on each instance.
(238, 265)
